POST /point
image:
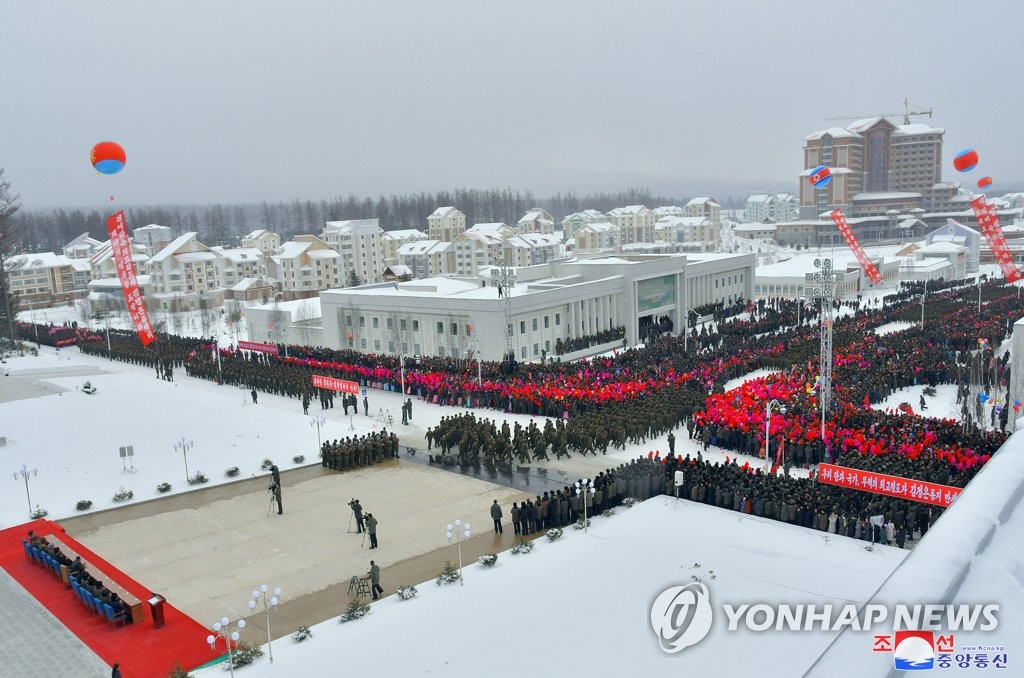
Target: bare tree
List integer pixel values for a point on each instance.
(9, 204)
(305, 322)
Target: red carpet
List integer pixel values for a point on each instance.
(139, 648)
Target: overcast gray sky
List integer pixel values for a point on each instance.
(231, 101)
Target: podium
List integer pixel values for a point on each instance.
(156, 608)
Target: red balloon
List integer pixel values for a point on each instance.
(965, 160)
(984, 182)
(108, 157)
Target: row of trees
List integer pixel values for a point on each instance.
(49, 230)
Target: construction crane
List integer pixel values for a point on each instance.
(906, 114)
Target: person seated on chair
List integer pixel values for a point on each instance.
(34, 539)
(77, 565)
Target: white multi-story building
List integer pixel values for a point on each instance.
(705, 206)
(306, 266)
(392, 240)
(445, 224)
(763, 207)
(154, 237)
(185, 275)
(598, 237)
(425, 258)
(549, 302)
(237, 264)
(360, 243)
(577, 220)
(41, 279)
(536, 220)
(693, 232)
(263, 240)
(81, 247)
(636, 223)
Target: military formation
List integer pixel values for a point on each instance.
(356, 451)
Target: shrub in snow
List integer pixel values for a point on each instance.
(39, 513)
(123, 495)
(553, 534)
(83, 505)
(355, 610)
(299, 458)
(245, 654)
(448, 575)
(608, 512)
(580, 524)
(522, 546)
(178, 672)
(302, 634)
(406, 592)
(267, 463)
(488, 560)
(231, 472)
(163, 487)
(628, 502)
(198, 479)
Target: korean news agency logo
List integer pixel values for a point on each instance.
(913, 650)
(681, 616)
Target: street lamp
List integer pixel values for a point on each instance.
(318, 422)
(262, 593)
(25, 474)
(184, 446)
(767, 427)
(923, 295)
(582, 488)
(461, 531)
(221, 630)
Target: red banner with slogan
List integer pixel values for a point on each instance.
(988, 222)
(256, 346)
(342, 385)
(858, 251)
(894, 486)
(126, 274)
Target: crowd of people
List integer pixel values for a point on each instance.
(355, 451)
(640, 393)
(76, 568)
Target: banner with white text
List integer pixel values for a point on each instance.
(342, 385)
(858, 251)
(122, 251)
(894, 486)
(988, 223)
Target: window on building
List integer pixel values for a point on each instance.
(440, 351)
(390, 324)
(547, 322)
(558, 319)
(440, 328)
(416, 326)
(522, 327)
(534, 324)
(376, 344)
(416, 349)
(522, 351)
(362, 343)
(376, 323)
(454, 328)
(547, 345)
(536, 349)
(401, 324)
(362, 321)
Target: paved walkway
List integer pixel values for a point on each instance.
(35, 643)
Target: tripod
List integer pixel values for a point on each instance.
(351, 517)
(271, 506)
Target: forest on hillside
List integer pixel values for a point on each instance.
(50, 230)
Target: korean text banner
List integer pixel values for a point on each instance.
(894, 486)
(988, 222)
(122, 251)
(342, 385)
(858, 251)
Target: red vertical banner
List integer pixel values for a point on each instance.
(988, 222)
(126, 274)
(858, 251)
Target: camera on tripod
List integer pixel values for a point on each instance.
(352, 504)
(272, 488)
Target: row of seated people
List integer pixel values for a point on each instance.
(76, 568)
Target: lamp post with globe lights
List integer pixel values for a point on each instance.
(583, 487)
(184, 445)
(25, 473)
(268, 607)
(460, 531)
(318, 422)
(221, 630)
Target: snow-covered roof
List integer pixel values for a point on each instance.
(240, 255)
(487, 228)
(443, 212)
(399, 270)
(745, 228)
(249, 283)
(584, 215)
(599, 227)
(866, 123)
(291, 250)
(702, 200)
(353, 226)
(195, 256)
(39, 260)
(887, 195)
(917, 128)
(170, 248)
(405, 234)
(834, 132)
(324, 254)
(760, 197)
(259, 233)
(115, 283)
(669, 211)
(627, 211)
(152, 228)
(533, 240)
(939, 246)
(420, 247)
(535, 214)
